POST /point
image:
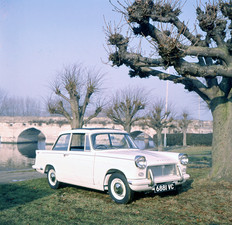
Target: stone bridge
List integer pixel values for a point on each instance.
(34, 129)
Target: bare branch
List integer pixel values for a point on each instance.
(198, 51)
(126, 105)
(76, 86)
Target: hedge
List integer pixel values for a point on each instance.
(192, 139)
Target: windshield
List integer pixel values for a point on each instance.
(112, 141)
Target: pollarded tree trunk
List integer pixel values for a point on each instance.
(75, 123)
(222, 142)
(159, 140)
(184, 137)
(127, 126)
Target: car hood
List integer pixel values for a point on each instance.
(152, 157)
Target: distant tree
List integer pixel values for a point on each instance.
(202, 59)
(28, 106)
(3, 97)
(125, 107)
(183, 125)
(19, 106)
(160, 118)
(75, 89)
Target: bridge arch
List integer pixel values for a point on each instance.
(29, 141)
(143, 140)
(31, 135)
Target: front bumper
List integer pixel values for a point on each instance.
(149, 184)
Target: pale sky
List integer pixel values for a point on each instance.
(39, 37)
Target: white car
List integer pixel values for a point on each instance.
(109, 160)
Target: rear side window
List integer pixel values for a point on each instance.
(78, 142)
(62, 143)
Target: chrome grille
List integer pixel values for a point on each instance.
(163, 170)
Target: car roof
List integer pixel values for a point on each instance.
(93, 130)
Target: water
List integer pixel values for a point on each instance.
(18, 156)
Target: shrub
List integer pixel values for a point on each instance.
(192, 139)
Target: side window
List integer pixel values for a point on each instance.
(101, 141)
(62, 143)
(118, 141)
(78, 142)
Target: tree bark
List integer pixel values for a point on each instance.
(159, 140)
(222, 142)
(75, 123)
(127, 127)
(184, 137)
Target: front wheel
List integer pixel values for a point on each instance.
(119, 189)
(52, 181)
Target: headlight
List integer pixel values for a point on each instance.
(140, 162)
(183, 158)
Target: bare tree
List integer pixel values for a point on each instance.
(75, 89)
(3, 97)
(126, 106)
(160, 118)
(19, 106)
(209, 74)
(183, 125)
(27, 106)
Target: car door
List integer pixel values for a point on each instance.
(59, 149)
(79, 161)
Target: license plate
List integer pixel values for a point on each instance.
(165, 187)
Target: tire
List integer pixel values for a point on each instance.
(52, 181)
(119, 189)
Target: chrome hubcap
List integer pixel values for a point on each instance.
(53, 177)
(118, 189)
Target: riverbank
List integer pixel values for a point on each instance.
(19, 175)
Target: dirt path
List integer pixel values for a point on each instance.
(19, 175)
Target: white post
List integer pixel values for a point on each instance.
(166, 109)
(199, 113)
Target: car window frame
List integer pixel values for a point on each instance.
(128, 139)
(59, 139)
(86, 140)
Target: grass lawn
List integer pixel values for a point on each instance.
(200, 201)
